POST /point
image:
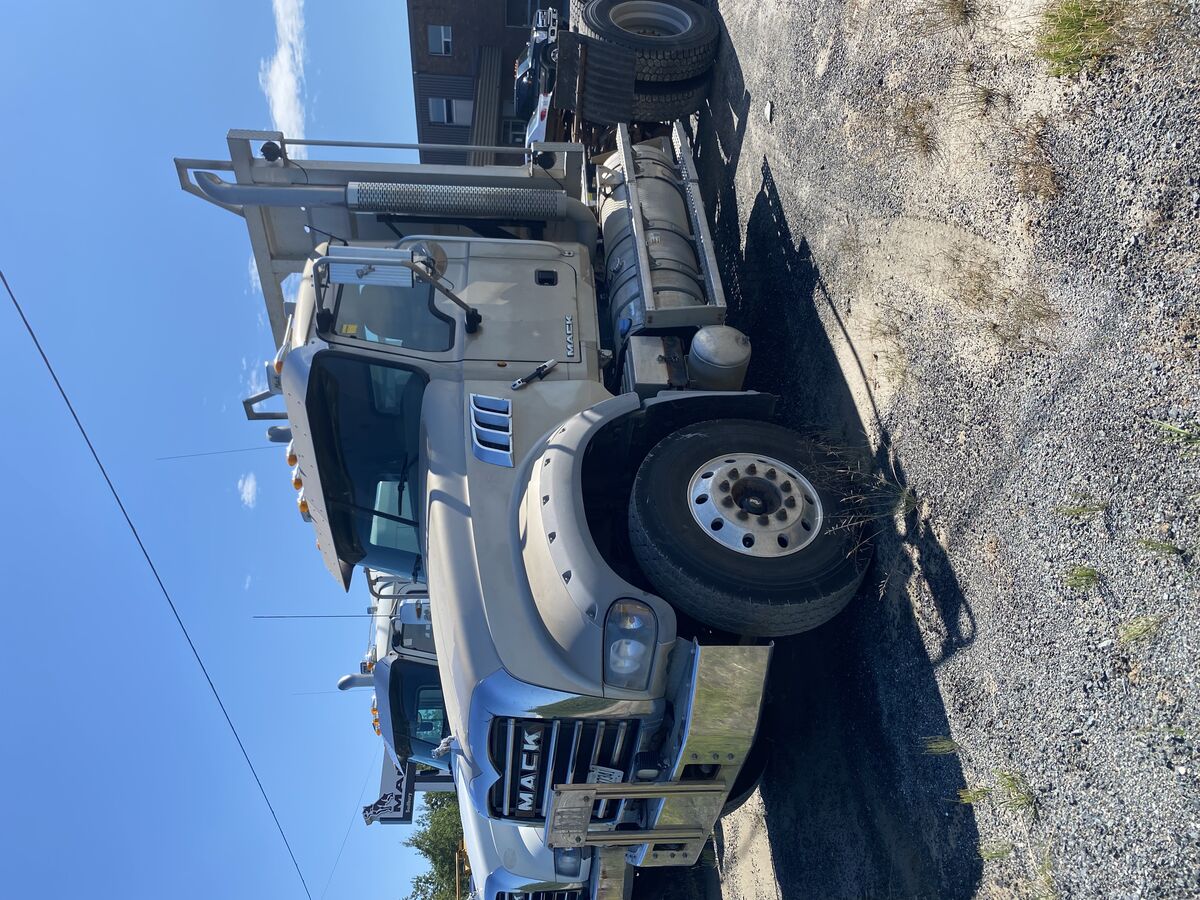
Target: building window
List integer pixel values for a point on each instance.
(516, 13)
(513, 132)
(439, 40)
(443, 111)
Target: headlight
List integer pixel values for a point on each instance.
(630, 635)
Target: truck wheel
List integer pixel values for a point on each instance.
(674, 39)
(746, 526)
(667, 101)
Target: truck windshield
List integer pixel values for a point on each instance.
(397, 316)
(365, 421)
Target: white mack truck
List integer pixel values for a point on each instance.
(530, 404)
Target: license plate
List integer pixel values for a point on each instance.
(604, 775)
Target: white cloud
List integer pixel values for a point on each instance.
(246, 585)
(282, 76)
(254, 377)
(255, 282)
(248, 489)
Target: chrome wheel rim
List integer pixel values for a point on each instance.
(755, 505)
(651, 18)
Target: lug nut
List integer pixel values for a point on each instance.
(764, 520)
(742, 515)
(789, 502)
(752, 469)
(786, 487)
(724, 486)
(781, 514)
(733, 474)
(771, 473)
(728, 501)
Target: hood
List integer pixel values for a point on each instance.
(485, 617)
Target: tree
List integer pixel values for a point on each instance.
(437, 838)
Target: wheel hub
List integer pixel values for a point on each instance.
(651, 18)
(755, 505)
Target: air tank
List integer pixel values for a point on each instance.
(718, 359)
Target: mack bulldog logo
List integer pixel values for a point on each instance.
(531, 753)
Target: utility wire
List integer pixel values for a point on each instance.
(339, 616)
(354, 814)
(216, 452)
(154, 570)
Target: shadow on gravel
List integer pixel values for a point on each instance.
(854, 805)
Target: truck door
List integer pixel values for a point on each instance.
(526, 292)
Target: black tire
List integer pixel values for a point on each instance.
(666, 102)
(766, 596)
(660, 57)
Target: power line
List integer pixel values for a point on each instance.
(154, 570)
(216, 452)
(339, 616)
(354, 814)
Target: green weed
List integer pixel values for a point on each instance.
(1081, 578)
(1014, 793)
(971, 796)
(1082, 507)
(940, 745)
(1138, 630)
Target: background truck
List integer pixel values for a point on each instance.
(613, 62)
(529, 402)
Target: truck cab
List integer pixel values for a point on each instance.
(514, 385)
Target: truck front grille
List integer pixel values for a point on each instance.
(533, 755)
(576, 894)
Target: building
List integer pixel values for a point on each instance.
(463, 55)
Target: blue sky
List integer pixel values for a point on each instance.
(120, 778)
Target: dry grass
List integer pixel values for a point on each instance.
(974, 96)
(914, 132)
(1138, 630)
(1034, 177)
(887, 333)
(1081, 34)
(1011, 314)
(1043, 887)
(940, 16)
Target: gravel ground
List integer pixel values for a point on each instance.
(986, 279)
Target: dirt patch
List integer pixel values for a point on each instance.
(984, 280)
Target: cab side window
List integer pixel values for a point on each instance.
(431, 715)
(397, 316)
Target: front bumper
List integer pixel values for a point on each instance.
(717, 697)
